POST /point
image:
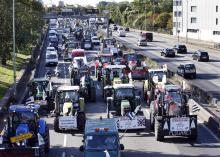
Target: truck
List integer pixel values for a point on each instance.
(25, 134)
(148, 36)
(101, 138)
(169, 114)
(69, 109)
(122, 103)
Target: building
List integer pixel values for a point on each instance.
(61, 4)
(197, 19)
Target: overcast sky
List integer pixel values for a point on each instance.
(80, 2)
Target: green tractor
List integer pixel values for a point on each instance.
(42, 91)
(69, 109)
(123, 102)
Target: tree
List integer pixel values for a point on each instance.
(162, 20)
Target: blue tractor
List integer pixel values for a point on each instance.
(25, 134)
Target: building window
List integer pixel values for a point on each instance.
(192, 30)
(216, 8)
(174, 24)
(193, 8)
(177, 13)
(177, 3)
(193, 19)
(216, 32)
(216, 21)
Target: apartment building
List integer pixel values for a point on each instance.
(197, 19)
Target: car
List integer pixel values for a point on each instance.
(168, 52)
(119, 61)
(200, 56)
(121, 33)
(115, 28)
(95, 40)
(142, 42)
(51, 58)
(180, 48)
(187, 70)
(127, 29)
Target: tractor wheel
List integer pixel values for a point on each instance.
(93, 94)
(158, 130)
(81, 119)
(151, 122)
(50, 105)
(193, 135)
(56, 125)
(42, 151)
(47, 140)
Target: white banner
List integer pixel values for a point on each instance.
(67, 122)
(125, 122)
(179, 124)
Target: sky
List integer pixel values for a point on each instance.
(80, 2)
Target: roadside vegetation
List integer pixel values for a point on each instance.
(29, 23)
(151, 15)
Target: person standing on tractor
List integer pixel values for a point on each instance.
(67, 106)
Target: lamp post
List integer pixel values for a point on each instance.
(14, 54)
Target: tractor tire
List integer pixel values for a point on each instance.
(50, 105)
(151, 122)
(42, 151)
(81, 120)
(47, 140)
(158, 130)
(193, 136)
(93, 94)
(56, 125)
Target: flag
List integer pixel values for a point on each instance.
(106, 153)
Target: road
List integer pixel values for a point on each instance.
(137, 144)
(208, 73)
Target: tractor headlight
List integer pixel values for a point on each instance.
(75, 105)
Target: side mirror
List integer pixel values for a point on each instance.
(122, 147)
(81, 148)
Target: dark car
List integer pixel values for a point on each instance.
(180, 48)
(200, 56)
(127, 29)
(168, 52)
(187, 70)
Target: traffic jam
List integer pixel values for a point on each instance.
(82, 66)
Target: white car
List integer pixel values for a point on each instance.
(50, 48)
(121, 33)
(51, 58)
(95, 40)
(52, 34)
(142, 42)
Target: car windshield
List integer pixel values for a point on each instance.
(204, 54)
(101, 142)
(190, 66)
(52, 56)
(72, 95)
(105, 59)
(124, 92)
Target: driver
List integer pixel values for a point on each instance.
(67, 106)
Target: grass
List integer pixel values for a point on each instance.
(6, 73)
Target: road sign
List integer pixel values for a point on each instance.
(21, 137)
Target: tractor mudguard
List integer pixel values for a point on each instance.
(42, 127)
(82, 104)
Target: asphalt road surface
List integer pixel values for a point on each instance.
(208, 73)
(139, 143)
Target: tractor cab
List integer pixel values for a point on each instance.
(69, 109)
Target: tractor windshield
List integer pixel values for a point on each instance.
(124, 92)
(101, 142)
(159, 74)
(22, 117)
(106, 59)
(132, 58)
(72, 95)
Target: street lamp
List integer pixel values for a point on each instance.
(14, 55)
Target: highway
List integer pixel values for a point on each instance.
(139, 143)
(208, 73)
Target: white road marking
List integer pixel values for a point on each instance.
(63, 154)
(65, 141)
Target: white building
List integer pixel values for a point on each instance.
(61, 4)
(197, 19)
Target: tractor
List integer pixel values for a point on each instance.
(24, 134)
(82, 76)
(69, 109)
(169, 113)
(123, 102)
(42, 91)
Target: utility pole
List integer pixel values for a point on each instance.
(153, 13)
(14, 54)
(145, 12)
(187, 20)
